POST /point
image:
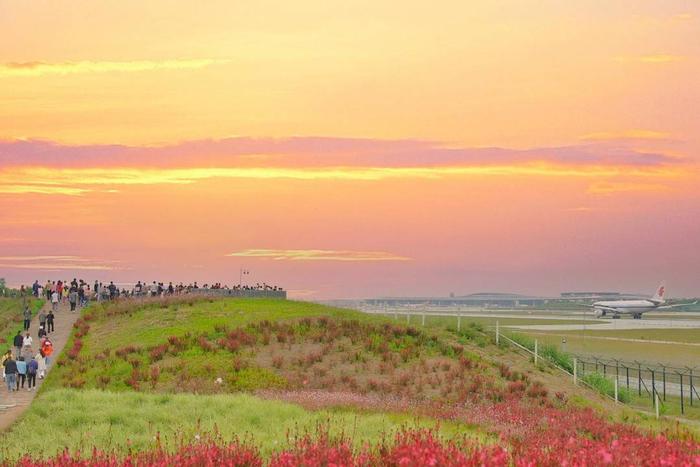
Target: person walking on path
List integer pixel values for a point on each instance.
(27, 318)
(41, 365)
(73, 298)
(18, 342)
(10, 373)
(55, 299)
(5, 357)
(49, 321)
(32, 370)
(47, 350)
(27, 342)
(42, 319)
(21, 372)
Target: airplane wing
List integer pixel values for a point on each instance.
(605, 308)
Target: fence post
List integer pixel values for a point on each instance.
(616, 391)
(498, 334)
(408, 317)
(422, 323)
(656, 400)
(682, 407)
(664, 377)
(535, 351)
(396, 314)
(690, 377)
(575, 371)
(639, 379)
(459, 324)
(653, 384)
(627, 370)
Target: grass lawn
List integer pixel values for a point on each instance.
(451, 322)
(80, 419)
(669, 354)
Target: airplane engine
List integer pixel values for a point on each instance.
(599, 313)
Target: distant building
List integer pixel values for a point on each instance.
(597, 296)
(476, 300)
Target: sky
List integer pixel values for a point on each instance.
(353, 149)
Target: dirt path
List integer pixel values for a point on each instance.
(13, 404)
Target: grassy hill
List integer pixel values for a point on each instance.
(167, 372)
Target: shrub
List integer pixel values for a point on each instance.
(605, 386)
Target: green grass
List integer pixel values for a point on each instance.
(669, 354)
(80, 420)
(11, 318)
(451, 321)
(606, 386)
(154, 323)
(672, 335)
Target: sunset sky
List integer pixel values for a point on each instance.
(353, 149)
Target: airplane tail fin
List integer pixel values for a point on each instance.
(660, 292)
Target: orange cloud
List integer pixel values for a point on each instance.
(651, 59)
(319, 255)
(628, 134)
(65, 68)
(57, 263)
(608, 188)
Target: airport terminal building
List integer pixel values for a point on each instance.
(476, 300)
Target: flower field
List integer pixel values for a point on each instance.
(408, 448)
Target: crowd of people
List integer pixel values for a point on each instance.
(79, 292)
(24, 363)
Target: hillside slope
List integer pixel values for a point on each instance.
(319, 358)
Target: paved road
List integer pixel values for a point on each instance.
(12, 405)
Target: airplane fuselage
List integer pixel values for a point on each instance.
(627, 306)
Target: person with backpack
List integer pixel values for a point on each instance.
(10, 373)
(27, 318)
(55, 298)
(49, 322)
(21, 372)
(42, 334)
(32, 370)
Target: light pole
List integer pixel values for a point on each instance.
(243, 272)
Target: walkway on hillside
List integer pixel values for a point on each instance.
(18, 402)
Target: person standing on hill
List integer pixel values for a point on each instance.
(27, 318)
(54, 301)
(17, 342)
(49, 322)
(10, 373)
(32, 370)
(73, 298)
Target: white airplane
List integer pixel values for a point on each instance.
(634, 307)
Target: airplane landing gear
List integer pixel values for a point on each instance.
(637, 316)
(616, 316)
